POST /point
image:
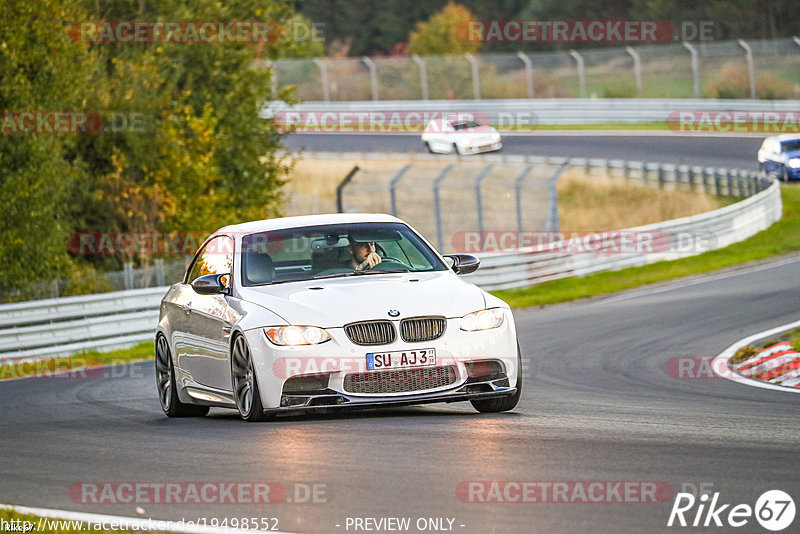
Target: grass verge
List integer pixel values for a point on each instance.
(780, 238)
(31, 523)
(20, 368)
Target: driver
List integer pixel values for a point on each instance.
(363, 255)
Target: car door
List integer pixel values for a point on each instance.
(210, 320)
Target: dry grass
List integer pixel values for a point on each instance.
(586, 203)
(590, 203)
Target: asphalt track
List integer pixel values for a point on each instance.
(711, 150)
(598, 405)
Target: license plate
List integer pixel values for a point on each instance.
(401, 359)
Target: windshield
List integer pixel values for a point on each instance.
(333, 251)
(790, 146)
(468, 125)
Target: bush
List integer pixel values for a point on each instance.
(733, 81)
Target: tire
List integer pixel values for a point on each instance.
(428, 147)
(456, 150)
(784, 174)
(245, 385)
(165, 382)
(502, 404)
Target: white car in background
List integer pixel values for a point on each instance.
(445, 136)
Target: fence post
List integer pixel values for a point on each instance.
(127, 275)
(553, 223)
(438, 206)
(160, 278)
(751, 69)
(478, 198)
(373, 76)
(661, 175)
(637, 69)
(518, 191)
(393, 187)
(323, 74)
(476, 76)
(581, 72)
(718, 182)
(341, 186)
(528, 72)
(423, 75)
(695, 68)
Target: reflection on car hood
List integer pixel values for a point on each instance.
(789, 154)
(359, 298)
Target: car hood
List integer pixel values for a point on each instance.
(358, 298)
(791, 154)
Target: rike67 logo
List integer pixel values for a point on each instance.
(774, 510)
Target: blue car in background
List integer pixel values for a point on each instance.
(780, 155)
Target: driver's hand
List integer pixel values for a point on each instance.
(369, 262)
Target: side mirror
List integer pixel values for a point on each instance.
(464, 263)
(211, 284)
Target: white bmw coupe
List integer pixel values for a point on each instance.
(331, 311)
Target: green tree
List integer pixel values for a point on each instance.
(444, 33)
(41, 69)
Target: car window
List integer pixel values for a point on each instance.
(216, 257)
(466, 125)
(790, 146)
(297, 254)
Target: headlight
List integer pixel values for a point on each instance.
(297, 335)
(794, 163)
(482, 320)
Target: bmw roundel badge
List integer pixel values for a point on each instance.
(394, 313)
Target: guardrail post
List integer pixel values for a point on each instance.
(528, 72)
(54, 289)
(323, 75)
(729, 180)
(373, 76)
(751, 69)
(661, 175)
(423, 76)
(159, 268)
(438, 206)
(695, 68)
(581, 71)
(637, 69)
(127, 274)
(718, 182)
(706, 179)
(476, 76)
(341, 186)
(393, 187)
(478, 197)
(518, 190)
(692, 178)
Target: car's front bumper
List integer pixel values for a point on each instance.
(477, 149)
(339, 357)
(465, 392)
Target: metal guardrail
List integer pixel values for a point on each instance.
(68, 325)
(727, 225)
(528, 113)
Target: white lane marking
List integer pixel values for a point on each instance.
(126, 523)
(724, 356)
(696, 280)
(628, 133)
